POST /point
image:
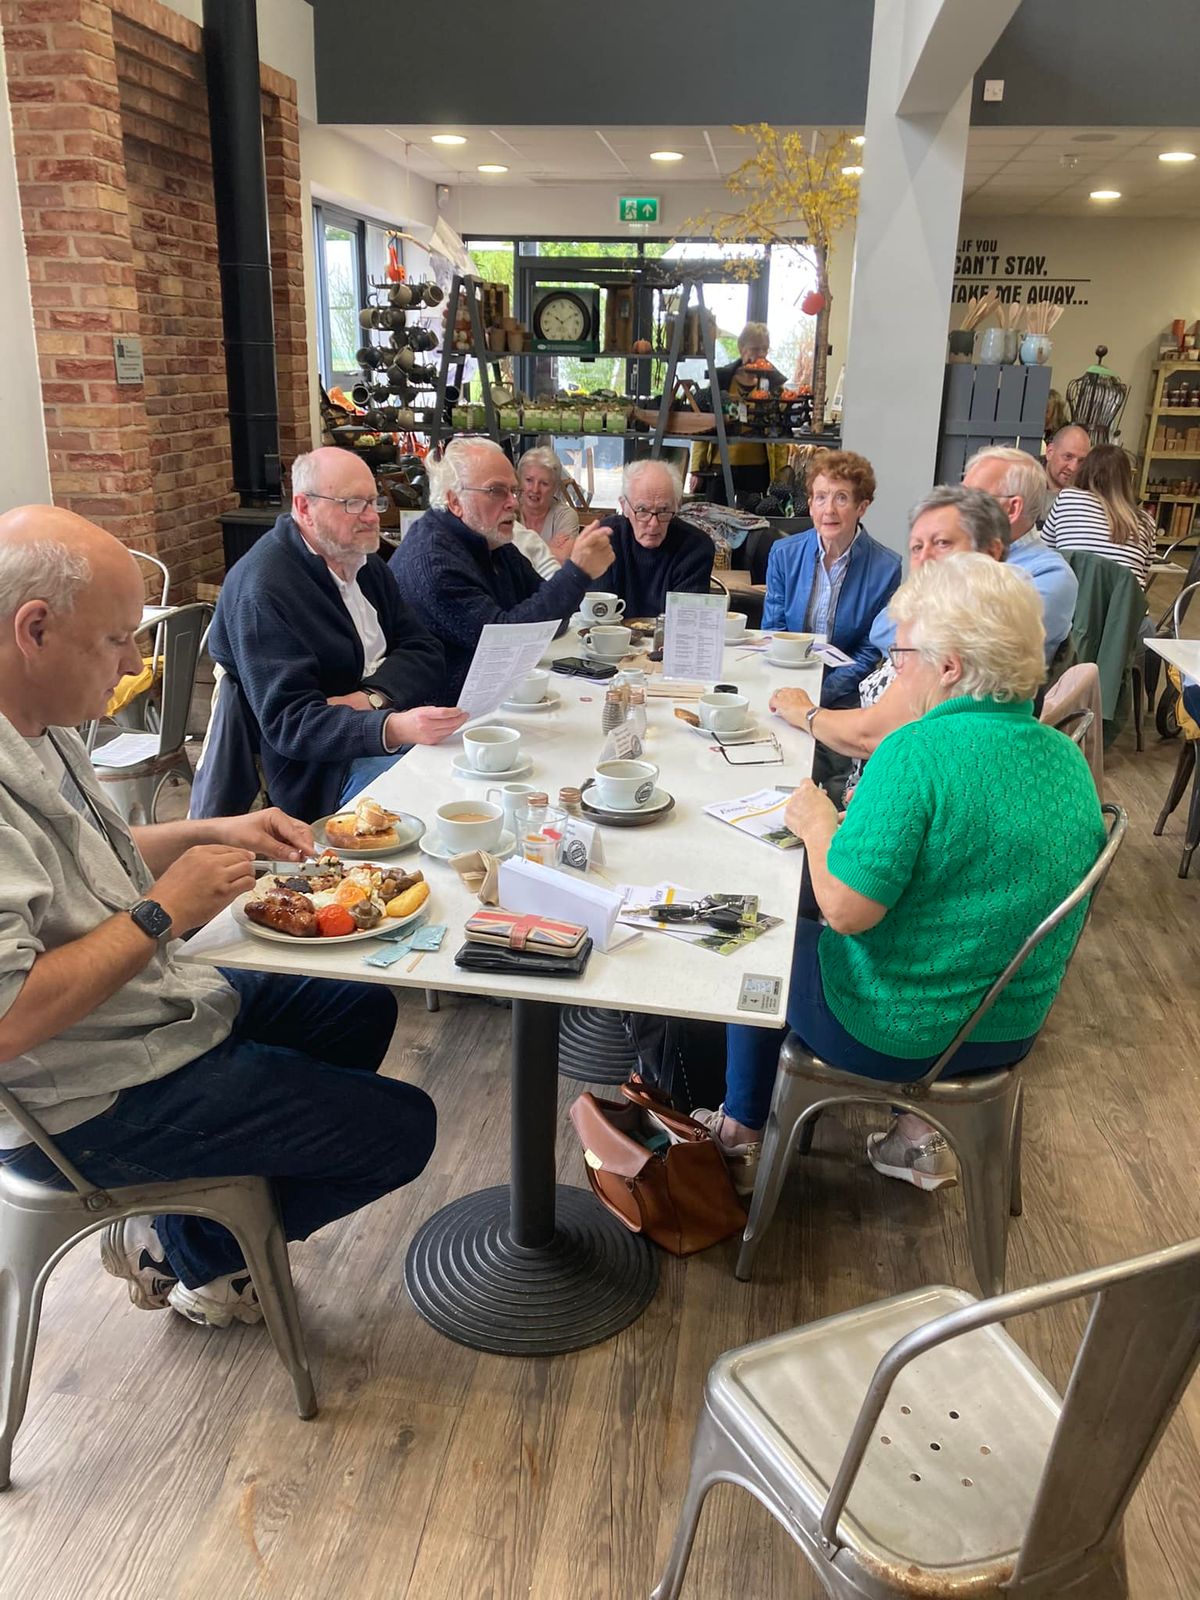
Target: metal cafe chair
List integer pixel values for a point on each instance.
(980, 1114)
(39, 1224)
(150, 758)
(911, 1448)
(1185, 766)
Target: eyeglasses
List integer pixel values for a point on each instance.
(356, 504)
(494, 491)
(895, 650)
(751, 752)
(651, 513)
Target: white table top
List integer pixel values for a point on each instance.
(655, 973)
(1181, 653)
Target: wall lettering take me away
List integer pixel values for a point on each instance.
(1013, 279)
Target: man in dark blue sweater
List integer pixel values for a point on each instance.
(459, 569)
(330, 670)
(657, 553)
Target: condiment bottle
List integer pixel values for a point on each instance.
(542, 833)
(571, 801)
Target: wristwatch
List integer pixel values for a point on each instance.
(377, 701)
(809, 715)
(151, 918)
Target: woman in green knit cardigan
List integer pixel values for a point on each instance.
(970, 825)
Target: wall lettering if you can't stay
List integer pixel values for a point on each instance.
(1013, 279)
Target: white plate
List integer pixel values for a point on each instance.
(408, 827)
(389, 925)
(656, 802)
(464, 769)
(735, 736)
(431, 845)
(548, 704)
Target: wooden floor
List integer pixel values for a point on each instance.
(159, 1461)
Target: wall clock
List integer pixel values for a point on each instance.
(566, 321)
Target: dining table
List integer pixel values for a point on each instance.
(1181, 653)
(535, 1266)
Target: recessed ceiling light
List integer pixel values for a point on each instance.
(859, 140)
(491, 166)
(852, 172)
(448, 138)
(1177, 155)
(1105, 194)
(666, 155)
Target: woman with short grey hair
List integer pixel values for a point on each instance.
(540, 505)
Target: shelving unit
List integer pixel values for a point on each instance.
(1164, 422)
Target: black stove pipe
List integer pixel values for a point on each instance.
(243, 244)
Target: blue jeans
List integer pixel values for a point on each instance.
(752, 1054)
(291, 1095)
(364, 771)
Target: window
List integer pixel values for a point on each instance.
(352, 255)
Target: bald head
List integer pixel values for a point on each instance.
(70, 601)
(1065, 455)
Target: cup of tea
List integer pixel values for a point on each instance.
(599, 606)
(607, 642)
(492, 749)
(735, 626)
(531, 690)
(792, 648)
(724, 713)
(625, 785)
(470, 824)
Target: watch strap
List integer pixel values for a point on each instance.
(154, 920)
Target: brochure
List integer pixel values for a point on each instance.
(760, 815)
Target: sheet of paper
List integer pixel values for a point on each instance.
(506, 652)
(694, 644)
(760, 815)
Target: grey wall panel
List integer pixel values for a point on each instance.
(613, 62)
(1125, 63)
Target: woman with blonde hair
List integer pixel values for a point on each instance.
(971, 824)
(546, 526)
(1099, 513)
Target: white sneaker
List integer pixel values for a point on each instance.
(130, 1249)
(741, 1159)
(927, 1163)
(217, 1304)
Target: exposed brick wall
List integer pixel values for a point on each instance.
(110, 120)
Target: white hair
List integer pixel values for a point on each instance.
(542, 456)
(306, 474)
(754, 333)
(1025, 476)
(446, 476)
(40, 569)
(987, 614)
(638, 469)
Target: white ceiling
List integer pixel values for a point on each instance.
(1009, 170)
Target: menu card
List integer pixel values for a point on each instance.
(506, 652)
(694, 643)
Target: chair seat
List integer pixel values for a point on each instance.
(796, 1061)
(957, 1512)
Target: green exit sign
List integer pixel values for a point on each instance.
(635, 208)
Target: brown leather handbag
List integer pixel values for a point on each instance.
(656, 1169)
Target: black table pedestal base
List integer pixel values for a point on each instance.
(469, 1280)
(594, 1046)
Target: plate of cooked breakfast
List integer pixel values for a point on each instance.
(330, 901)
(368, 830)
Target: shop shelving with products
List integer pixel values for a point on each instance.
(1172, 441)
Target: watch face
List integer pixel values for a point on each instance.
(151, 918)
(563, 317)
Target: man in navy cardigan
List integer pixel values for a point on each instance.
(459, 569)
(657, 552)
(334, 671)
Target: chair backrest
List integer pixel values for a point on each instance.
(1089, 884)
(1137, 1355)
(28, 1123)
(160, 570)
(182, 632)
(1182, 601)
(1075, 724)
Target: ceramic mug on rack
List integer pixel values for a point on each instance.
(599, 606)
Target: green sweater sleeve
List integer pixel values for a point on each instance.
(876, 848)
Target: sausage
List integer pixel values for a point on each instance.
(285, 912)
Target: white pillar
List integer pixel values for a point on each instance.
(923, 56)
(24, 464)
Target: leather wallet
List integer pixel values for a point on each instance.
(526, 931)
(494, 958)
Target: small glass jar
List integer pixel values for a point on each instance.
(660, 632)
(570, 801)
(541, 834)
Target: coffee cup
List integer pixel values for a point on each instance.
(792, 647)
(511, 797)
(735, 626)
(470, 824)
(607, 642)
(599, 606)
(724, 713)
(493, 748)
(625, 785)
(531, 690)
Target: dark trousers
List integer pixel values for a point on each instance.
(291, 1095)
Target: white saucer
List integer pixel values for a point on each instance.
(463, 769)
(733, 736)
(431, 845)
(548, 704)
(657, 802)
(792, 666)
